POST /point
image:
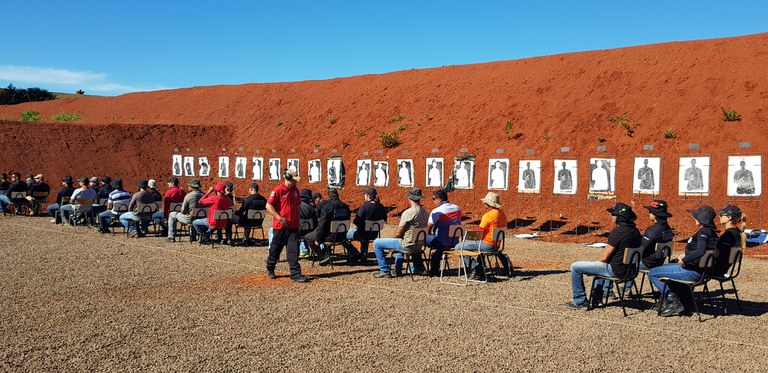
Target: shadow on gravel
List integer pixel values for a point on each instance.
(525, 275)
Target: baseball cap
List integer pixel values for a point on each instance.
(732, 211)
(83, 179)
(294, 175)
(371, 192)
(174, 180)
(152, 183)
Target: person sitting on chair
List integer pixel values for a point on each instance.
(143, 196)
(38, 187)
(370, 210)
(84, 193)
(686, 267)
(492, 219)
(118, 194)
(734, 223)
(659, 232)
(185, 216)
(254, 201)
(174, 194)
(105, 188)
(306, 212)
(153, 190)
(216, 199)
(415, 216)
(65, 192)
(333, 210)
(611, 262)
(17, 185)
(441, 218)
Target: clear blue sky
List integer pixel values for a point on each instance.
(113, 47)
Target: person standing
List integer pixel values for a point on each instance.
(283, 204)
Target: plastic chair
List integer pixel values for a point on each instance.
(631, 259)
(339, 229)
(706, 263)
(735, 268)
(420, 242)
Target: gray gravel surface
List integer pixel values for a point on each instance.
(75, 300)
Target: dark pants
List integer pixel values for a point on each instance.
(434, 260)
(290, 239)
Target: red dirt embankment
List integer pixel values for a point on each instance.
(552, 102)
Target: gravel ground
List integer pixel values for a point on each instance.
(76, 300)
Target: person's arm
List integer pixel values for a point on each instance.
(400, 232)
(692, 259)
(271, 209)
(606, 254)
(430, 227)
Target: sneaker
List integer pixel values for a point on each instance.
(134, 234)
(396, 274)
(300, 279)
(105, 230)
(271, 275)
(325, 260)
(416, 271)
(304, 256)
(171, 239)
(382, 275)
(53, 221)
(573, 306)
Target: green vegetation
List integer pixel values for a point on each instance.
(12, 95)
(547, 137)
(601, 139)
(730, 115)
(626, 122)
(30, 116)
(390, 140)
(669, 134)
(331, 119)
(508, 128)
(401, 128)
(344, 144)
(396, 118)
(65, 117)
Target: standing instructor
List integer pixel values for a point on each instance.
(283, 204)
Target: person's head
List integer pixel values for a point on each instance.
(39, 178)
(117, 184)
(434, 164)
(4, 177)
(15, 176)
(106, 180)
(369, 194)
(229, 188)
(29, 178)
(173, 182)
(563, 164)
(194, 184)
(380, 165)
(94, 182)
(317, 198)
(333, 193)
(658, 210)
(220, 188)
(152, 184)
(492, 200)
(693, 161)
(291, 178)
(306, 196)
(730, 216)
(439, 196)
(704, 216)
(622, 213)
(743, 164)
(645, 162)
(497, 164)
(253, 188)
(67, 181)
(414, 196)
(143, 184)
(528, 164)
(83, 182)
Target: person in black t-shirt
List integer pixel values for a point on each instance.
(730, 217)
(370, 210)
(306, 212)
(611, 262)
(254, 201)
(686, 267)
(67, 192)
(42, 190)
(659, 232)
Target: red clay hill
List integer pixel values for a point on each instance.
(525, 109)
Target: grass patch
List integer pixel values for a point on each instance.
(389, 140)
(669, 134)
(396, 118)
(626, 122)
(30, 116)
(730, 115)
(65, 117)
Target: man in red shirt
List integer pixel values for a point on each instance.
(283, 204)
(174, 194)
(218, 201)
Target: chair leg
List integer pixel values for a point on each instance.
(662, 298)
(736, 293)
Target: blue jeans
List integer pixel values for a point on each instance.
(579, 269)
(105, 217)
(201, 226)
(52, 210)
(388, 244)
(671, 270)
(4, 200)
(124, 218)
(158, 218)
(66, 210)
(481, 246)
(353, 235)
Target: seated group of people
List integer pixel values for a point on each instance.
(685, 267)
(34, 191)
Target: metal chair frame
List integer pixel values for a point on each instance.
(707, 263)
(631, 259)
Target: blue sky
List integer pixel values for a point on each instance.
(114, 47)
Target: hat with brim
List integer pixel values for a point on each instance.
(194, 183)
(658, 208)
(705, 215)
(623, 210)
(220, 187)
(39, 176)
(492, 199)
(294, 175)
(415, 194)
